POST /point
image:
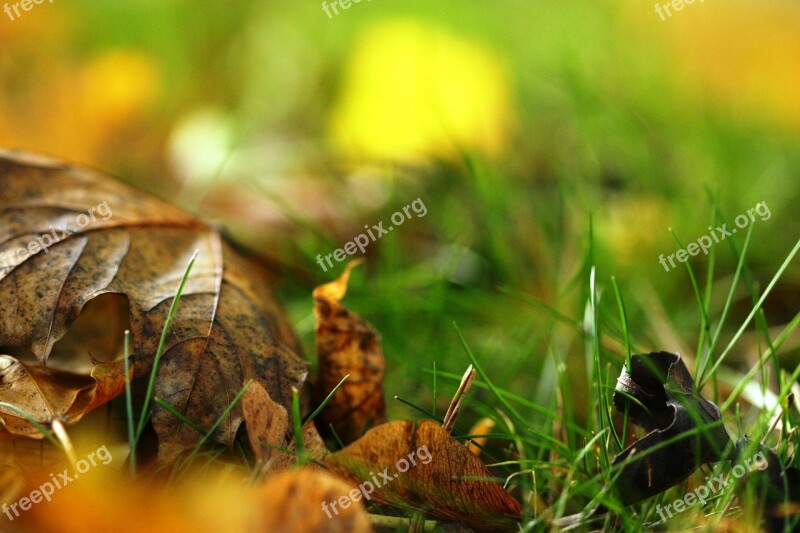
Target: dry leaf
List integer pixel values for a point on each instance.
(667, 405)
(267, 423)
(313, 443)
(268, 430)
(447, 482)
(295, 501)
(50, 394)
(347, 344)
(106, 499)
(228, 329)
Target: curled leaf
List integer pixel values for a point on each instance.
(49, 394)
(685, 429)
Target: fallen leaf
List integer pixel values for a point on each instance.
(98, 503)
(111, 238)
(347, 344)
(660, 396)
(296, 500)
(313, 443)
(447, 481)
(50, 394)
(268, 430)
(267, 423)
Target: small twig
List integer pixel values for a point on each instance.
(455, 405)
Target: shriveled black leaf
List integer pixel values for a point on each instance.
(685, 429)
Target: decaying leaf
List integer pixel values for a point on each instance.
(105, 237)
(447, 481)
(267, 423)
(311, 500)
(268, 429)
(106, 499)
(685, 429)
(49, 394)
(313, 443)
(347, 344)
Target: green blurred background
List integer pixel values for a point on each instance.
(516, 122)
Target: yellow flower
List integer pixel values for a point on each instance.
(411, 91)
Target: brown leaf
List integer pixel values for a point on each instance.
(296, 500)
(447, 481)
(228, 328)
(313, 443)
(268, 429)
(49, 394)
(106, 499)
(267, 422)
(347, 344)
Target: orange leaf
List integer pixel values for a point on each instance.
(49, 394)
(447, 481)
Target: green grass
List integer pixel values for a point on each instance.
(547, 354)
(548, 326)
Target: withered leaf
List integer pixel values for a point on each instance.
(668, 406)
(50, 394)
(447, 481)
(296, 500)
(268, 430)
(267, 423)
(111, 238)
(347, 344)
(313, 443)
